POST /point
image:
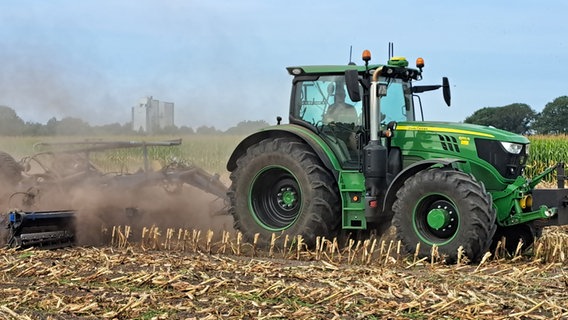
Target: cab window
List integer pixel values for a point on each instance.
(316, 101)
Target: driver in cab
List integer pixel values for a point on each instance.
(340, 111)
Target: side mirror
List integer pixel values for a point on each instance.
(446, 90)
(352, 83)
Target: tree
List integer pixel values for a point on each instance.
(10, 123)
(186, 130)
(35, 129)
(516, 117)
(168, 130)
(205, 130)
(51, 126)
(71, 126)
(111, 129)
(246, 127)
(554, 117)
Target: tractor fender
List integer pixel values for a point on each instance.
(409, 171)
(323, 151)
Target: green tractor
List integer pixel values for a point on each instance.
(353, 161)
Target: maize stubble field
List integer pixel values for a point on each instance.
(186, 273)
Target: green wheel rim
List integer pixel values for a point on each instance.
(436, 219)
(275, 198)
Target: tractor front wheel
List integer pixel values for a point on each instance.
(281, 186)
(444, 208)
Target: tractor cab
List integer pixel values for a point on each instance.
(323, 100)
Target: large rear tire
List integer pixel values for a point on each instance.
(281, 186)
(446, 208)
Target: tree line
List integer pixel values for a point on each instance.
(12, 125)
(517, 117)
(521, 118)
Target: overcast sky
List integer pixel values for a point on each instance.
(224, 61)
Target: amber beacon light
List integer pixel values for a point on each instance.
(366, 55)
(419, 63)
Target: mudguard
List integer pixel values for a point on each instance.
(319, 146)
(409, 171)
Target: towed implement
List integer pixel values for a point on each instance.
(42, 229)
(37, 180)
(354, 161)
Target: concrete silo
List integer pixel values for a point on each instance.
(151, 115)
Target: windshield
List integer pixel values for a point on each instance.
(397, 104)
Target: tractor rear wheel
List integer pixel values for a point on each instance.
(445, 208)
(281, 186)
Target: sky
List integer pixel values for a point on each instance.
(223, 61)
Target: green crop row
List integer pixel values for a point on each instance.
(208, 152)
(546, 151)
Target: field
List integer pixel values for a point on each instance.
(131, 281)
(187, 273)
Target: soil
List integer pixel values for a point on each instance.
(134, 283)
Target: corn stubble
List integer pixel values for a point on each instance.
(195, 274)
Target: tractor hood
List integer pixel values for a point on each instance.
(488, 151)
(462, 129)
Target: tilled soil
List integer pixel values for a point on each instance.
(131, 283)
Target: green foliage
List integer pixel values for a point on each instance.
(205, 130)
(70, 126)
(10, 123)
(554, 117)
(247, 127)
(546, 151)
(210, 152)
(520, 118)
(516, 117)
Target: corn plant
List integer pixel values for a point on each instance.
(546, 151)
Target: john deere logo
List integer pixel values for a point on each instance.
(464, 140)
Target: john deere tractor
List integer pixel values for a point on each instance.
(354, 160)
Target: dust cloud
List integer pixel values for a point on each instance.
(42, 85)
(99, 210)
(100, 203)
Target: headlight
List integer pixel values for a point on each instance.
(514, 148)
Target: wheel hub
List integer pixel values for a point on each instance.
(287, 197)
(442, 217)
(438, 218)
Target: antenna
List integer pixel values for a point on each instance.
(351, 55)
(391, 50)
